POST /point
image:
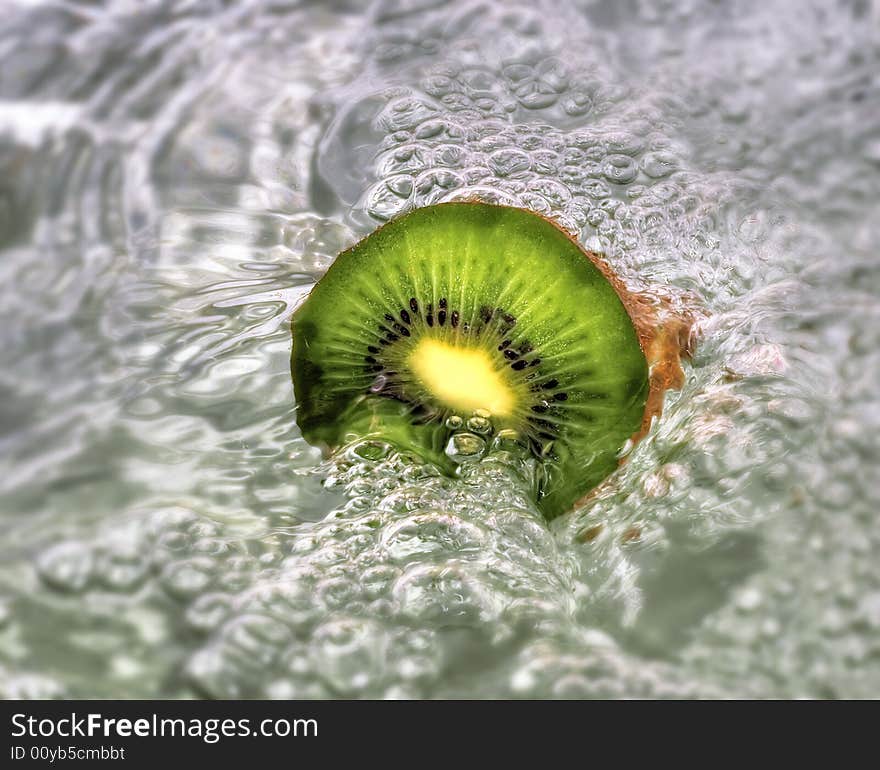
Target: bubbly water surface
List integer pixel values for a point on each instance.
(175, 176)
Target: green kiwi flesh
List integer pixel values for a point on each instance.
(493, 278)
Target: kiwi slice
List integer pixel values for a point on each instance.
(470, 307)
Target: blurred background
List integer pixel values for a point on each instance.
(176, 174)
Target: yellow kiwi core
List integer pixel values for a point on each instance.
(462, 378)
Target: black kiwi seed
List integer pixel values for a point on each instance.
(372, 349)
(539, 408)
(511, 355)
(369, 359)
(453, 319)
(413, 305)
(405, 316)
(441, 314)
(535, 362)
(519, 365)
(429, 315)
(560, 396)
(550, 384)
(504, 344)
(486, 313)
(392, 322)
(542, 423)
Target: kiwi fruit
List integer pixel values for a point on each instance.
(463, 308)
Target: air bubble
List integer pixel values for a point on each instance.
(480, 422)
(383, 203)
(596, 189)
(508, 162)
(627, 447)
(208, 611)
(659, 164)
(577, 103)
(371, 450)
(507, 439)
(624, 143)
(188, 578)
(620, 169)
(430, 128)
(67, 566)
(118, 568)
(401, 185)
(465, 447)
(454, 422)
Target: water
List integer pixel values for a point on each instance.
(176, 175)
